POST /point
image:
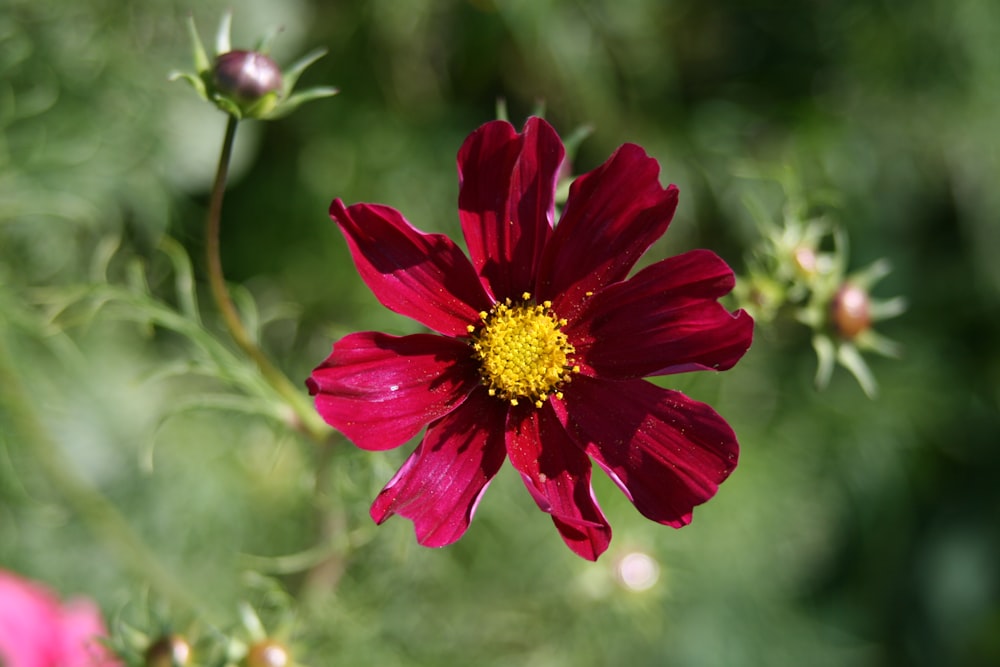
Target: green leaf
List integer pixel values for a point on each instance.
(184, 284)
(228, 106)
(294, 71)
(298, 99)
(825, 356)
(222, 40)
(851, 359)
(267, 39)
(196, 82)
(201, 62)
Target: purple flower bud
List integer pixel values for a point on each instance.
(246, 76)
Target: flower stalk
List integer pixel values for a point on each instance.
(306, 419)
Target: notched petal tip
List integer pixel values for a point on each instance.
(507, 201)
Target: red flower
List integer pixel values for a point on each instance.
(37, 631)
(543, 345)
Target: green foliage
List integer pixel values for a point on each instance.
(853, 532)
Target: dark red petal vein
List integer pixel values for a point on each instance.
(423, 276)
(557, 474)
(613, 214)
(667, 452)
(441, 483)
(664, 319)
(506, 201)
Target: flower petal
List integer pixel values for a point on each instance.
(667, 452)
(664, 319)
(613, 214)
(441, 483)
(506, 201)
(81, 632)
(423, 276)
(380, 390)
(29, 622)
(557, 474)
(37, 630)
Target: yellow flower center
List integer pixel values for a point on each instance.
(522, 352)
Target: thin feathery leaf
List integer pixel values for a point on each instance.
(101, 260)
(184, 284)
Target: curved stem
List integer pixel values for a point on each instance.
(308, 420)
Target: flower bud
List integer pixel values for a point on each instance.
(246, 76)
(168, 651)
(806, 262)
(850, 311)
(247, 84)
(268, 653)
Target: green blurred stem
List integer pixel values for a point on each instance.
(307, 418)
(96, 511)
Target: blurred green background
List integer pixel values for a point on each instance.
(854, 532)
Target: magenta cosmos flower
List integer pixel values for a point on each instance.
(36, 630)
(541, 346)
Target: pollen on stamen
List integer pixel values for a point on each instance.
(521, 351)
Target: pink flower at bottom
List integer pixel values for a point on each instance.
(36, 630)
(544, 341)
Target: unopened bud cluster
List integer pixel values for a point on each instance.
(799, 271)
(154, 640)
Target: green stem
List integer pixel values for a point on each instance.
(326, 573)
(96, 511)
(308, 420)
